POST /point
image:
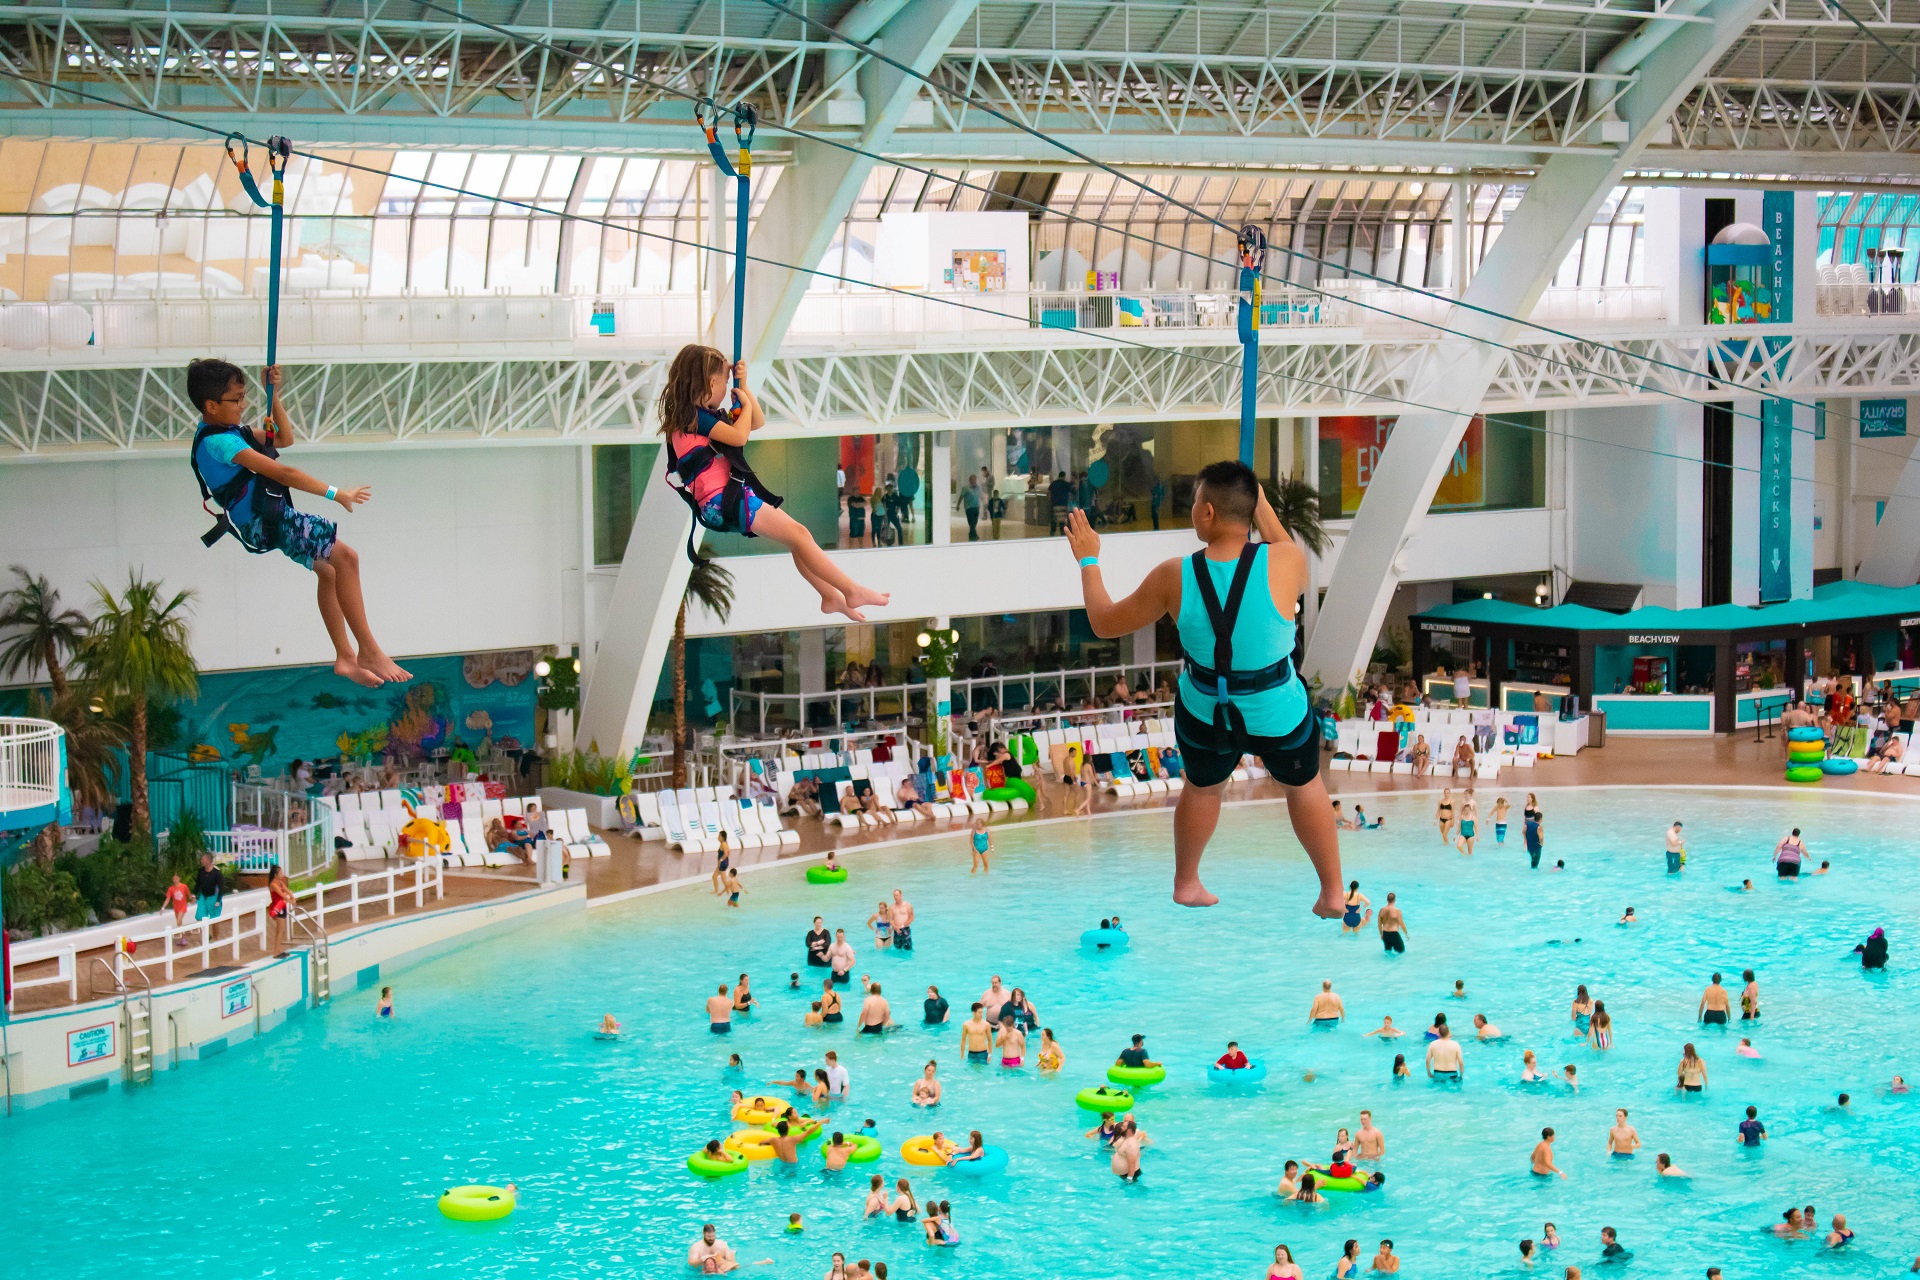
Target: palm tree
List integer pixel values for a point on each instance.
(712, 586)
(94, 740)
(1297, 504)
(43, 631)
(138, 648)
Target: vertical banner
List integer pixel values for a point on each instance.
(1776, 501)
(1776, 219)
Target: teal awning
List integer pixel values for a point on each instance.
(1835, 603)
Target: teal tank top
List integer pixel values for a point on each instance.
(1261, 637)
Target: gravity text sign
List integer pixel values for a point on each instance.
(1882, 418)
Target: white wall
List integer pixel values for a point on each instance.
(1633, 507)
(461, 549)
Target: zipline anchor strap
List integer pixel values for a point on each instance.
(1253, 262)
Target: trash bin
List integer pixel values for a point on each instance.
(1596, 728)
(553, 859)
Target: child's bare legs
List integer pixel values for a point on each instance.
(1197, 813)
(816, 566)
(345, 563)
(346, 662)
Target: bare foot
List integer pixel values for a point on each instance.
(1193, 894)
(1331, 906)
(383, 666)
(831, 601)
(357, 673)
(861, 596)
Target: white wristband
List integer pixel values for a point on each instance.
(331, 491)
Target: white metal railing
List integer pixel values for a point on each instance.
(243, 917)
(273, 828)
(29, 764)
(899, 700)
(127, 324)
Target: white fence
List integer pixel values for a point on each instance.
(242, 918)
(275, 828)
(29, 764)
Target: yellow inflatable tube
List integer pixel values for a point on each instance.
(921, 1151)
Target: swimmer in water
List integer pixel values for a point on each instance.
(1357, 903)
(1571, 1076)
(1445, 1062)
(926, 1090)
(1600, 1026)
(1530, 1072)
(982, 847)
(1443, 815)
(1326, 1009)
(1746, 1049)
(1052, 1057)
(1485, 1030)
(1283, 1266)
(1500, 811)
(881, 922)
(1749, 997)
(1582, 1008)
(1623, 1139)
(1289, 1180)
(1746, 886)
(1825, 866)
(1011, 1041)
(1839, 1235)
(1542, 1160)
(1469, 819)
(1665, 1167)
(876, 1206)
(1386, 1030)
(904, 1206)
(1439, 1025)
(1714, 1004)
(1899, 1085)
(1628, 918)
(1106, 1130)
(1691, 1076)
(1549, 1237)
(1400, 1071)
(1459, 991)
(1393, 927)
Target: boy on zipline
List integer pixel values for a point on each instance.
(707, 467)
(1239, 693)
(239, 470)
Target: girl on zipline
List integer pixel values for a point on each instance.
(706, 464)
(239, 469)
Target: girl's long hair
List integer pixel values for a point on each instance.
(688, 379)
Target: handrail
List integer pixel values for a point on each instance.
(117, 971)
(30, 763)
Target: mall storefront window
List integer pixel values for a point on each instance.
(1500, 464)
(1127, 476)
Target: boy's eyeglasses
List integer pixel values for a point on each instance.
(239, 399)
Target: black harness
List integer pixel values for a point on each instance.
(271, 501)
(684, 468)
(1228, 730)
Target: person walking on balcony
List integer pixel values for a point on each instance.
(970, 503)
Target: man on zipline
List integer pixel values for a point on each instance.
(1233, 602)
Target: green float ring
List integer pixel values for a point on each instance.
(476, 1203)
(1802, 755)
(1092, 1099)
(826, 875)
(701, 1165)
(866, 1149)
(1013, 789)
(1327, 1182)
(819, 1127)
(1805, 773)
(1136, 1076)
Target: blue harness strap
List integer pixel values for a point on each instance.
(1253, 262)
(279, 151)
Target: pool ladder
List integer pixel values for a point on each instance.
(136, 1022)
(320, 981)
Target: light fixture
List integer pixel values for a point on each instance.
(543, 668)
(576, 666)
(923, 639)
(1540, 594)
(98, 707)
(1486, 595)
(954, 635)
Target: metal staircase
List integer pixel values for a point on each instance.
(136, 1021)
(320, 971)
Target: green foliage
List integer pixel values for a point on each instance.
(41, 896)
(124, 877)
(1393, 650)
(139, 643)
(590, 772)
(941, 654)
(94, 742)
(1297, 504)
(39, 631)
(560, 687)
(187, 840)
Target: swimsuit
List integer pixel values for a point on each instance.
(1352, 918)
(979, 842)
(882, 930)
(976, 1055)
(1500, 832)
(903, 938)
(1466, 828)
(873, 1030)
(1391, 940)
(1714, 1017)
(1009, 1062)
(720, 1028)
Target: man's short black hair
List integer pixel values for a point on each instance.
(1231, 488)
(211, 380)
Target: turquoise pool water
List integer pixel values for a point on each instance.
(320, 1151)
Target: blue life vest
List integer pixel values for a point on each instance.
(269, 500)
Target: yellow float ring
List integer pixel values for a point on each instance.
(921, 1151)
(476, 1203)
(754, 1144)
(760, 1109)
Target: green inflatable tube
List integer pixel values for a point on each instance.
(1102, 1098)
(1326, 1182)
(704, 1166)
(1015, 789)
(865, 1149)
(1136, 1075)
(1797, 756)
(826, 875)
(818, 1131)
(1805, 773)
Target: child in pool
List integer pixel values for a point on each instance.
(694, 418)
(386, 1003)
(609, 1025)
(1746, 1049)
(1400, 1071)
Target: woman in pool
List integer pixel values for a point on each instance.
(1357, 903)
(1788, 855)
(1052, 1058)
(1022, 1010)
(904, 1207)
(1600, 1026)
(1343, 1147)
(1746, 1049)
(1530, 1072)
(830, 1003)
(926, 1090)
(1443, 815)
(1400, 1071)
(1439, 1022)
(1306, 1193)
(982, 847)
(721, 866)
(1349, 1264)
(1284, 1267)
(1873, 952)
(1749, 996)
(876, 1198)
(976, 1149)
(1582, 1008)
(838, 1271)
(1125, 1160)
(1106, 1131)
(1692, 1074)
(822, 1089)
(1469, 820)
(881, 922)
(939, 1225)
(1663, 1164)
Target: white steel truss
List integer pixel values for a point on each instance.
(1486, 82)
(104, 412)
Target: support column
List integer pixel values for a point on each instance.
(940, 490)
(1558, 207)
(1145, 645)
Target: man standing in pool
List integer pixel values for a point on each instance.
(901, 912)
(1234, 603)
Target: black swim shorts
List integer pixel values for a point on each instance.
(1292, 763)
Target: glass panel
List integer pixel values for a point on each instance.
(1499, 464)
(621, 473)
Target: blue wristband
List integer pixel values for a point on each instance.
(331, 491)
(1089, 562)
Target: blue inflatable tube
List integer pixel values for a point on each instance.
(1805, 733)
(1253, 1073)
(1105, 939)
(993, 1161)
(1840, 765)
